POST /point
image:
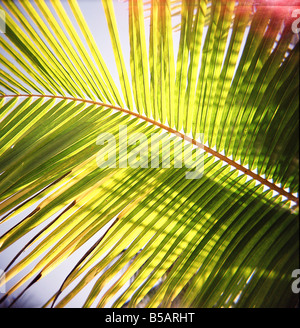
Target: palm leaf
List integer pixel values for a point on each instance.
(148, 235)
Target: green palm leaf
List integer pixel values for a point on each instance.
(147, 234)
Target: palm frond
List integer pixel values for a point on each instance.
(150, 236)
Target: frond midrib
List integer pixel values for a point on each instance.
(209, 150)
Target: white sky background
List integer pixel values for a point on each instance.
(44, 289)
